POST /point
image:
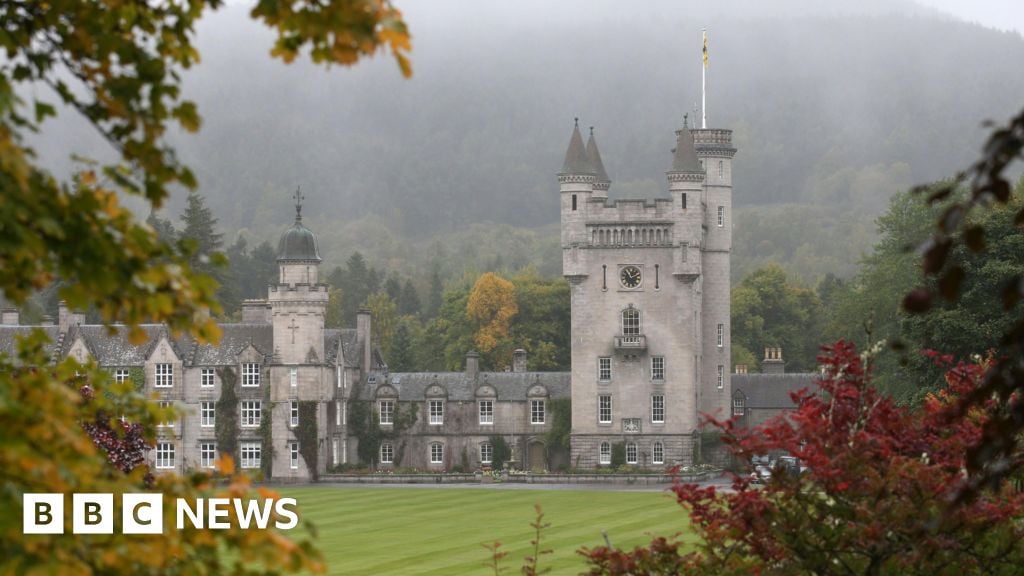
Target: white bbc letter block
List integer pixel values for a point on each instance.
(142, 514)
(42, 513)
(92, 514)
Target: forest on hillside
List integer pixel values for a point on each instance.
(455, 167)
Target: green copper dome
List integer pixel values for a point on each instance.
(299, 242)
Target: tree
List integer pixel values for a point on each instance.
(201, 243)
(767, 311)
(118, 65)
(877, 496)
(409, 300)
(491, 307)
(542, 324)
(355, 282)
(435, 298)
(385, 316)
(402, 357)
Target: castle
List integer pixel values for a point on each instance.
(650, 351)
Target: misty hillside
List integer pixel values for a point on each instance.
(831, 111)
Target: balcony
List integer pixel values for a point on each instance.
(631, 342)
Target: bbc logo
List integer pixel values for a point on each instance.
(93, 513)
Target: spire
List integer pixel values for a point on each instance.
(298, 203)
(576, 156)
(685, 157)
(594, 159)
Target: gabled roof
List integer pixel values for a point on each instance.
(576, 155)
(412, 386)
(772, 390)
(111, 347)
(9, 333)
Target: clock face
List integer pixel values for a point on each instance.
(630, 276)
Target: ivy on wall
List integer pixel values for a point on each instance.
(226, 425)
(306, 432)
(364, 424)
(502, 451)
(561, 423)
(266, 435)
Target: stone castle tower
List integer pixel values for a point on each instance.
(650, 301)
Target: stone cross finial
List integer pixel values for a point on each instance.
(576, 120)
(686, 120)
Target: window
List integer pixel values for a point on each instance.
(293, 455)
(721, 168)
(631, 453)
(486, 453)
(604, 409)
(604, 368)
(436, 453)
(536, 411)
(387, 453)
(293, 377)
(334, 451)
(657, 367)
(630, 322)
(658, 453)
(207, 454)
(684, 201)
(487, 412)
(293, 413)
(387, 412)
(739, 406)
(206, 378)
(164, 455)
(250, 374)
(207, 414)
(721, 377)
(721, 216)
(437, 412)
(166, 405)
(164, 376)
(251, 413)
(120, 375)
(337, 412)
(606, 453)
(721, 335)
(573, 201)
(658, 408)
(250, 452)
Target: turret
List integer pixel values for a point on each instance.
(686, 188)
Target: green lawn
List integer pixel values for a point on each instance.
(440, 531)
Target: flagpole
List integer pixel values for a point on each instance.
(704, 83)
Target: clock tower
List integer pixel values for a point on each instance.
(649, 283)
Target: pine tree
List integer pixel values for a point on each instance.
(409, 300)
(201, 228)
(436, 296)
(401, 358)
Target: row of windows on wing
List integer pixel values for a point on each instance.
(250, 413)
(436, 452)
(657, 453)
(485, 409)
(164, 375)
(250, 452)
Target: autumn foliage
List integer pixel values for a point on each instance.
(491, 306)
(880, 495)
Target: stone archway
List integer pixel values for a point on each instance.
(538, 457)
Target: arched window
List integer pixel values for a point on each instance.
(658, 453)
(606, 453)
(631, 453)
(436, 453)
(630, 322)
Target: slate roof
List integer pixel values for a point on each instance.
(576, 155)
(772, 390)
(114, 349)
(685, 157)
(235, 338)
(508, 385)
(9, 333)
(594, 159)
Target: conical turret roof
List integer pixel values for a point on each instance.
(685, 158)
(576, 156)
(594, 158)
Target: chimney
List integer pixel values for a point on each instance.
(773, 363)
(519, 360)
(9, 316)
(255, 311)
(472, 365)
(364, 334)
(741, 368)
(66, 318)
(47, 320)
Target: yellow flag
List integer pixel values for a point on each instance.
(705, 49)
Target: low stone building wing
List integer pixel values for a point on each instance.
(9, 335)
(458, 387)
(759, 397)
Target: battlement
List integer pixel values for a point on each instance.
(292, 289)
(713, 142)
(632, 235)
